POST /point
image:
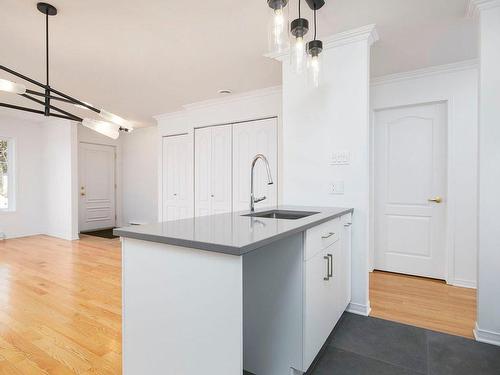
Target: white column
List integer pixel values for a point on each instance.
(332, 117)
(488, 308)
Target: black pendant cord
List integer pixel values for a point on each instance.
(299, 9)
(47, 88)
(314, 24)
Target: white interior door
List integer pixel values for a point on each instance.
(97, 187)
(203, 171)
(410, 175)
(212, 166)
(251, 138)
(176, 177)
(221, 169)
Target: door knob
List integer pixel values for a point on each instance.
(437, 199)
(82, 194)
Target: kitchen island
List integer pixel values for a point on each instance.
(222, 293)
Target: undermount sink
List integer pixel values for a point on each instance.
(282, 214)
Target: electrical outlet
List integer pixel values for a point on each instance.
(337, 187)
(340, 158)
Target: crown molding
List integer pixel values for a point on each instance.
(365, 33)
(425, 72)
(477, 6)
(249, 95)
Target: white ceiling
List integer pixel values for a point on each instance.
(142, 58)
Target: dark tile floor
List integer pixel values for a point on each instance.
(364, 345)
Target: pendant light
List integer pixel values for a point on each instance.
(278, 25)
(298, 29)
(102, 127)
(12, 87)
(314, 48)
(47, 97)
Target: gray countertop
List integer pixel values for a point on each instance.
(230, 233)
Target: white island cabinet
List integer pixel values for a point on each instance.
(224, 293)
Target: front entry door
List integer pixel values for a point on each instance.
(410, 186)
(97, 186)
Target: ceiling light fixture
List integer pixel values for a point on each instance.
(278, 25)
(298, 28)
(314, 48)
(48, 94)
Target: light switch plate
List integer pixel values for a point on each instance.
(337, 187)
(340, 158)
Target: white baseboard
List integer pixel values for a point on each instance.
(488, 337)
(358, 308)
(463, 283)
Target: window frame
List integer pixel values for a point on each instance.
(11, 179)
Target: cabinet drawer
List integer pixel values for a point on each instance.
(321, 236)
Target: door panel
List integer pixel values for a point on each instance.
(203, 171)
(319, 313)
(176, 180)
(251, 138)
(410, 169)
(97, 186)
(221, 176)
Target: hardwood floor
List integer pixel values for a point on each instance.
(60, 306)
(422, 302)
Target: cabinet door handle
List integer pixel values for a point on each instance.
(347, 224)
(330, 271)
(327, 268)
(327, 235)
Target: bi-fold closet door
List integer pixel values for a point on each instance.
(212, 166)
(223, 156)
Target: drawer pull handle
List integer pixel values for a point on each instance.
(328, 235)
(347, 224)
(330, 271)
(327, 268)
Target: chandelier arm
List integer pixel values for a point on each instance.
(22, 76)
(36, 93)
(26, 109)
(75, 101)
(72, 116)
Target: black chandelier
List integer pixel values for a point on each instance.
(46, 95)
(299, 49)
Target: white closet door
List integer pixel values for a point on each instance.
(202, 171)
(221, 174)
(176, 177)
(213, 170)
(249, 139)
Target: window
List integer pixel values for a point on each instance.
(6, 174)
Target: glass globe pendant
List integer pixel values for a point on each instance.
(278, 25)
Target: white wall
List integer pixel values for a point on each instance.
(44, 164)
(457, 85)
(140, 175)
(59, 163)
(235, 108)
(30, 176)
(488, 315)
(333, 117)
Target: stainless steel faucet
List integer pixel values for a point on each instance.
(254, 200)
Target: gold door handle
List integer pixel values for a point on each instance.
(437, 199)
(82, 194)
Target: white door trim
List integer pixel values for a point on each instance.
(451, 199)
(115, 149)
